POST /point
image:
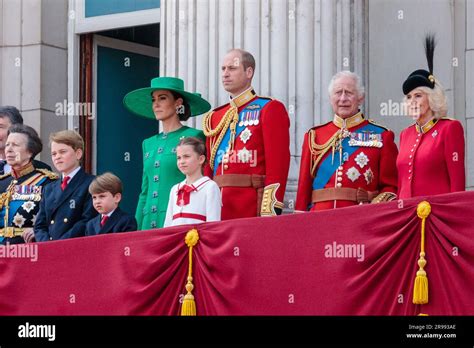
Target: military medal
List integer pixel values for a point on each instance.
(369, 176)
(361, 159)
(28, 206)
(245, 135)
(434, 134)
(19, 220)
(257, 118)
(241, 122)
(353, 174)
(244, 155)
(252, 116)
(245, 119)
(366, 139)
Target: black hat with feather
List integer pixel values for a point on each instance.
(422, 78)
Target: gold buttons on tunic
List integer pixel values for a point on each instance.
(65, 220)
(226, 167)
(52, 222)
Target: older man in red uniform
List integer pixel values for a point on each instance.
(247, 144)
(347, 161)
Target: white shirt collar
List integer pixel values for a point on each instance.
(72, 174)
(110, 214)
(7, 168)
(197, 183)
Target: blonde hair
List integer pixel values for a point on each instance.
(436, 99)
(68, 137)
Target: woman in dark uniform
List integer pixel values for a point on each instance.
(21, 189)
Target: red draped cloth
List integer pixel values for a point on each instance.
(285, 265)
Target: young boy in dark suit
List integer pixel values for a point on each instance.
(106, 191)
(66, 206)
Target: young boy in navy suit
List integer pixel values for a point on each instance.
(66, 206)
(106, 191)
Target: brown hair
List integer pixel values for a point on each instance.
(185, 113)
(197, 144)
(34, 144)
(68, 137)
(106, 182)
(248, 61)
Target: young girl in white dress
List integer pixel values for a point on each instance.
(196, 199)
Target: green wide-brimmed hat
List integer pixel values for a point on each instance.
(139, 101)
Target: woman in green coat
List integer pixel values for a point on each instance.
(168, 102)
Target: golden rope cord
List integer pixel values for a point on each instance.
(221, 129)
(318, 151)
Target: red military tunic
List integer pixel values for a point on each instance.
(260, 147)
(368, 163)
(431, 159)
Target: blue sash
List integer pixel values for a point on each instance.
(14, 206)
(327, 169)
(224, 145)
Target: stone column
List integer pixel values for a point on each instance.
(33, 61)
(298, 46)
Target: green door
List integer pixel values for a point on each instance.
(120, 133)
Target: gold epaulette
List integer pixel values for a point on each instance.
(51, 175)
(378, 125)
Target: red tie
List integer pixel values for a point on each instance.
(65, 182)
(104, 220)
(184, 194)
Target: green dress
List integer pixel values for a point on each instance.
(160, 173)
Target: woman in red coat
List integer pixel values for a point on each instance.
(431, 156)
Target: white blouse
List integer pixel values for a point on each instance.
(204, 204)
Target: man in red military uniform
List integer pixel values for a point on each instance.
(349, 160)
(247, 144)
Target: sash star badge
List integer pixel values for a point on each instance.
(28, 206)
(244, 155)
(245, 135)
(353, 174)
(361, 159)
(19, 220)
(369, 176)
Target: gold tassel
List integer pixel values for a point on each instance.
(420, 291)
(189, 305)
